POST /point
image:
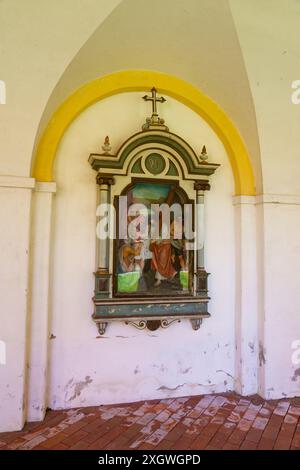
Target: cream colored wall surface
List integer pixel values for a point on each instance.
(38, 39)
(193, 40)
(197, 42)
(269, 35)
(127, 364)
(15, 205)
(282, 299)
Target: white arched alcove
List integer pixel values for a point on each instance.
(127, 364)
(80, 368)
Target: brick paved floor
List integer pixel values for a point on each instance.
(225, 421)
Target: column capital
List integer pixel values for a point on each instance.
(202, 185)
(105, 179)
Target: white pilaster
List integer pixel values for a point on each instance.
(279, 326)
(15, 206)
(246, 324)
(40, 293)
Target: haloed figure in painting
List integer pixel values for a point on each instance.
(159, 263)
(168, 256)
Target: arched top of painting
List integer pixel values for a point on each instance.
(155, 152)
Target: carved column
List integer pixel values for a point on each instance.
(102, 275)
(201, 275)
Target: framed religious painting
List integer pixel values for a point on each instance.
(150, 267)
(155, 257)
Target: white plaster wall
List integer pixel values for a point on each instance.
(15, 202)
(246, 325)
(38, 331)
(269, 36)
(127, 364)
(38, 39)
(190, 39)
(281, 298)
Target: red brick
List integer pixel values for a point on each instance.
(93, 425)
(237, 437)
(145, 446)
(283, 443)
(120, 443)
(271, 432)
(49, 443)
(202, 441)
(296, 441)
(176, 432)
(165, 445)
(254, 435)
(75, 427)
(60, 446)
(218, 441)
(276, 421)
(248, 445)
(80, 445)
(265, 444)
(73, 438)
(184, 442)
(224, 421)
(229, 446)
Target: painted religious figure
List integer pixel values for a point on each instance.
(153, 259)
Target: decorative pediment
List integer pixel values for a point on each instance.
(159, 153)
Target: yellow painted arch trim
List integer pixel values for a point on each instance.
(140, 80)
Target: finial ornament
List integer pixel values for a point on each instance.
(203, 155)
(155, 121)
(106, 147)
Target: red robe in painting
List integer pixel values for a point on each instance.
(162, 258)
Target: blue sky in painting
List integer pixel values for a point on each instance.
(150, 191)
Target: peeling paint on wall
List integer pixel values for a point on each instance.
(261, 355)
(185, 371)
(296, 375)
(78, 387)
(164, 387)
(224, 372)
